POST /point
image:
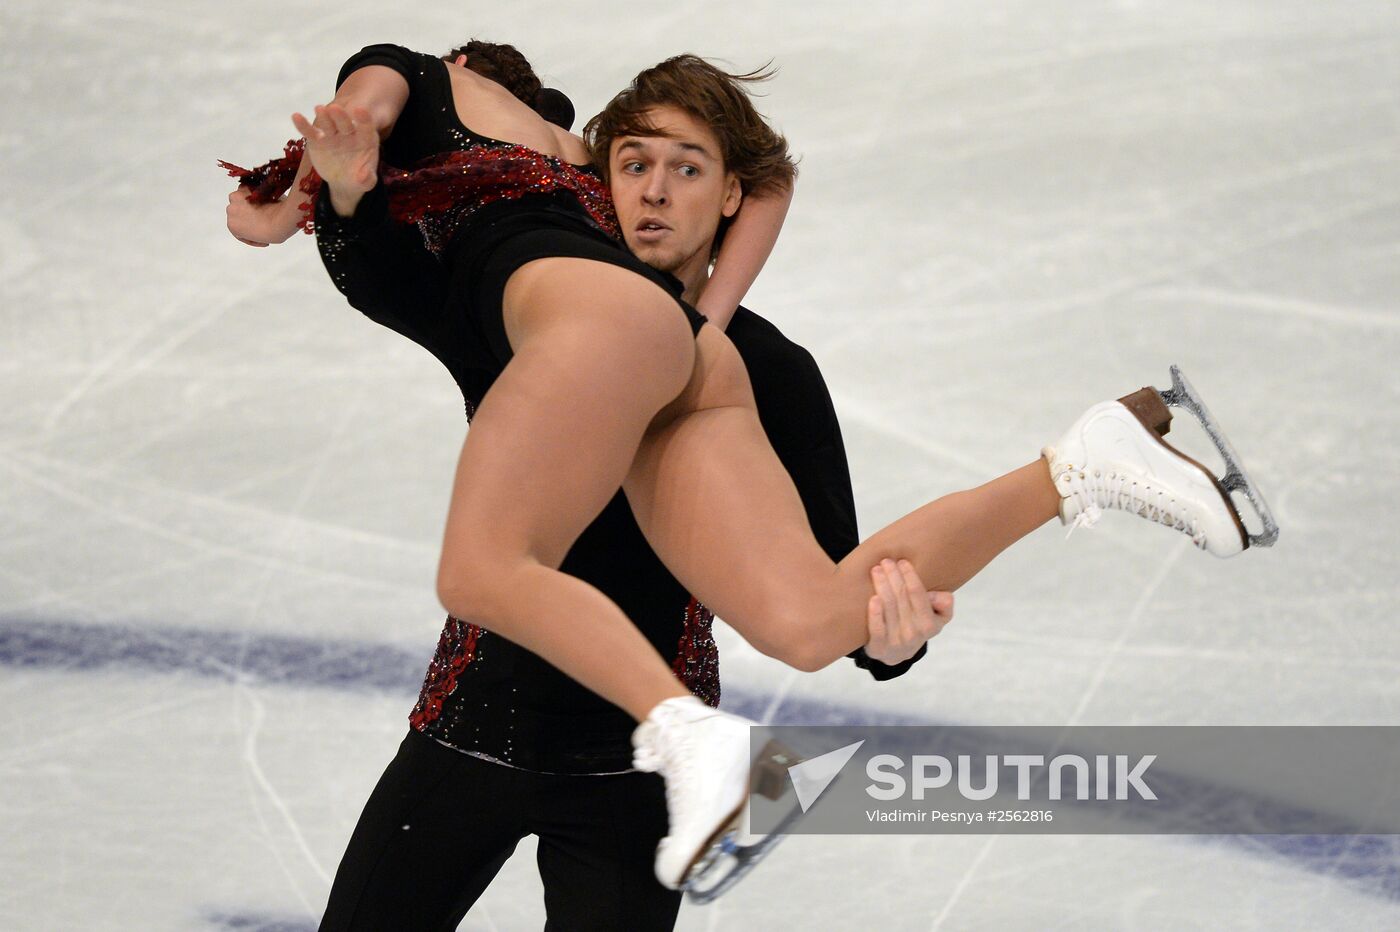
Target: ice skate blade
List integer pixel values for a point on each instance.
(725, 861)
(1183, 395)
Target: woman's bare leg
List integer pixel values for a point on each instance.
(598, 351)
(597, 393)
(721, 512)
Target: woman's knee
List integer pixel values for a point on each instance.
(803, 654)
(473, 582)
(806, 639)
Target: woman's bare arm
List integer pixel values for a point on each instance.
(380, 94)
(262, 224)
(380, 90)
(747, 245)
(342, 144)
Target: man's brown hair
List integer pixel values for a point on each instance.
(751, 149)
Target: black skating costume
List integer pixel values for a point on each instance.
(501, 741)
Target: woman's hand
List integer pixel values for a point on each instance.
(343, 146)
(260, 224)
(902, 614)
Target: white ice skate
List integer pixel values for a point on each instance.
(704, 755)
(1114, 457)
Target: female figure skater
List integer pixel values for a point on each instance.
(599, 377)
(502, 744)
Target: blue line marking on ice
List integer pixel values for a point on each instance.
(1372, 861)
(281, 659)
(267, 658)
(252, 922)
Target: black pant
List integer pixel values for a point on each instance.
(440, 824)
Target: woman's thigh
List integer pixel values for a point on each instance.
(723, 514)
(598, 352)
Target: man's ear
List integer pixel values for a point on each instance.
(733, 195)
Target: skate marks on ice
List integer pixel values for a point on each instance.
(1087, 179)
(277, 661)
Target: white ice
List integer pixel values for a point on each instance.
(1006, 211)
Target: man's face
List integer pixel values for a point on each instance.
(671, 191)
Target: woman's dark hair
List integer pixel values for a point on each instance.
(555, 106)
(505, 65)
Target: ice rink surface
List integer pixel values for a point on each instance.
(221, 489)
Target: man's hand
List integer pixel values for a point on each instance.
(902, 614)
(343, 146)
(260, 224)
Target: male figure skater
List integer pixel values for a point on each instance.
(503, 745)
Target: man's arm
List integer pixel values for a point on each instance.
(901, 617)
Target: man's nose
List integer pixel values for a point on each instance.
(655, 193)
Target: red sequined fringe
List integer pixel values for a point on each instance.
(478, 176)
(443, 185)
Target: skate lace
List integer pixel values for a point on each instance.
(1093, 493)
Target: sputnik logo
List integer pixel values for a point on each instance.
(811, 777)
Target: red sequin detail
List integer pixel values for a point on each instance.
(455, 652)
(697, 655)
(441, 193)
(310, 186)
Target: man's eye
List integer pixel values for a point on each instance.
(689, 171)
(633, 168)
